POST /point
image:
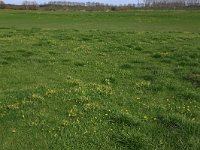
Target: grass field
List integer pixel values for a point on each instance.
(72, 80)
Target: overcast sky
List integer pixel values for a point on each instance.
(103, 1)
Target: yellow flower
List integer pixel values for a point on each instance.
(72, 113)
(50, 91)
(145, 117)
(13, 130)
(65, 122)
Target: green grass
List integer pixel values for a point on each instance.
(100, 80)
(164, 20)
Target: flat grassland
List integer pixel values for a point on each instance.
(100, 80)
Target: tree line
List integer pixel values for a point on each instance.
(96, 6)
(171, 3)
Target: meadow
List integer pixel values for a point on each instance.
(100, 80)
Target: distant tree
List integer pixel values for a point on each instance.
(2, 4)
(113, 8)
(171, 3)
(30, 5)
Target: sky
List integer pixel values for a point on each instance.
(116, 2)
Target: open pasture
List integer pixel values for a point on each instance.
(100, 80)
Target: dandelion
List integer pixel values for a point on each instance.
(72, 113)
(65, 122)
(13, 130)
(37, 97)
(13, 106)
(85, 132)
(145, 117)
(78, 121)
(50, 91)
(95, 130)
(90, 106)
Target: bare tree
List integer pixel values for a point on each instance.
(2, 4)
(30, 5)
(171, 3)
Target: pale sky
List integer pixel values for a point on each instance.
(102, 1)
